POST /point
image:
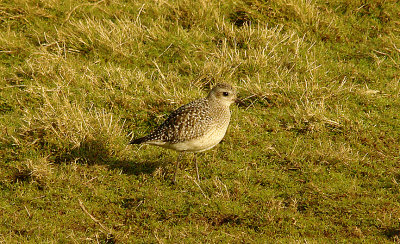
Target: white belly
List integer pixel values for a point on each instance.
(208, 141)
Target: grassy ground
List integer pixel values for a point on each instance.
(312, 153)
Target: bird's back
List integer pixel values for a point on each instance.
(187, 122)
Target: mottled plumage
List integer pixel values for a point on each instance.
(203, 120)
(196, 126)
(187, 122)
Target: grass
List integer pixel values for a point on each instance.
(311, 154)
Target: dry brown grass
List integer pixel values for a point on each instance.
(311, 154)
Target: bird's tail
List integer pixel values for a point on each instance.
(139, 140)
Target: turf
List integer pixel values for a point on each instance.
(311, 155)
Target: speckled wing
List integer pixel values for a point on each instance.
(187, 122)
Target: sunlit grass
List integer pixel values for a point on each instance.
(311, 154)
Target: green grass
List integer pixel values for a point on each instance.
(311, 155)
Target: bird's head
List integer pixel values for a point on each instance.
(223, 93)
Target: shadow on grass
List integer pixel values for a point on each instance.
(392, 233)
(93, 152)
(134, 168)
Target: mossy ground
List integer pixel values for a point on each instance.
(312, 153)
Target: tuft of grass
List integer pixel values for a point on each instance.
(37, 171)
(311, 154)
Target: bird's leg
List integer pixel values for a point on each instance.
(197, 167)
(177, 164)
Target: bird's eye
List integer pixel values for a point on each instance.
(225, 94)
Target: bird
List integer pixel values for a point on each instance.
(195, 127)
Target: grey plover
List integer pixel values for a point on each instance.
(196, 126)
